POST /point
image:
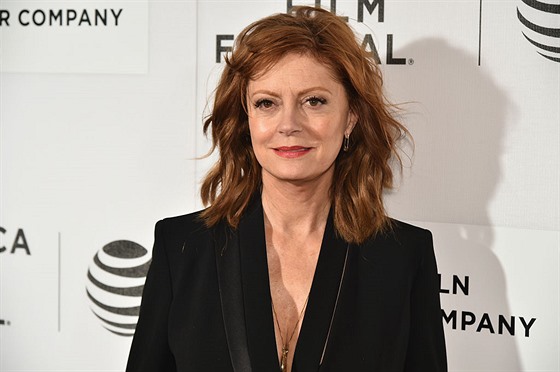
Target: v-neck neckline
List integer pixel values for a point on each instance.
(258, 302)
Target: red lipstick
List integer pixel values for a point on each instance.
(291, 152)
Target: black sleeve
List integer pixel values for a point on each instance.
(150, 350)
(426, 345)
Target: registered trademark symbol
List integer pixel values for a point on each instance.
(410, 61)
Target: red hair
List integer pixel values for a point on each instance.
(361, 174)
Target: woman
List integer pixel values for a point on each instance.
(294, 266)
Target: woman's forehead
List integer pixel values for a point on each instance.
(304, 64)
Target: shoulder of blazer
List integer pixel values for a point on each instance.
(400, 241)
(403, 232)
(186, 223)
(183, 234)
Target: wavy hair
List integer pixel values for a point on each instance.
(361, 174)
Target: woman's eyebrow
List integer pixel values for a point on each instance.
(302, 92)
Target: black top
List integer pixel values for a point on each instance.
(207, 307)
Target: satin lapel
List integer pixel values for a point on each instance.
(322, 298)
(256, 290)
(231, 295)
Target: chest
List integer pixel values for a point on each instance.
(346, 324)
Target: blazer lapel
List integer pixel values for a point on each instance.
(247, 305)
(322, 301)
(256, 290)
(231, 295)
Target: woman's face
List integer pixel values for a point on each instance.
(298, 115)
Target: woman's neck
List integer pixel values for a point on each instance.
(296, 208)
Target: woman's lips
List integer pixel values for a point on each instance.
(291, 152)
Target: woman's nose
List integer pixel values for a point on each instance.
(291, 120)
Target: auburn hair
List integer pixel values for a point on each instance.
(361, 173)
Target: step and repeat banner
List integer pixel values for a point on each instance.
(101, 109)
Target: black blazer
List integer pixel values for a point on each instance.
(207, 307)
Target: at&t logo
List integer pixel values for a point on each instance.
(541, 26)
(115, 281)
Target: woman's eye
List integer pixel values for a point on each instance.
(316, 101)
(264, 103)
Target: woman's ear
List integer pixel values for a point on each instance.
(350, 123)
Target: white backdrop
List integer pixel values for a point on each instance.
(100, 125)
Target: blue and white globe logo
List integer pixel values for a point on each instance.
(541, 26)
(115, 281)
